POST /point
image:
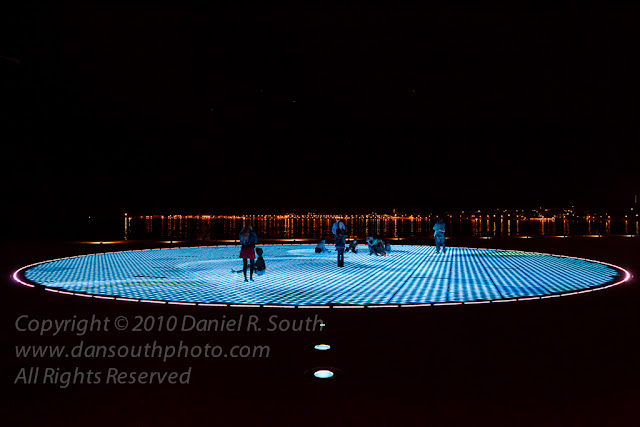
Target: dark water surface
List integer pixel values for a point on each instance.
(202, 227)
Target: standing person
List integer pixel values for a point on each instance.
(340, 232)
(438, 234)
(248, 240)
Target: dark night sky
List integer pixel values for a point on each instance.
(167, 109)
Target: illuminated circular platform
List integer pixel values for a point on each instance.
(409, 276)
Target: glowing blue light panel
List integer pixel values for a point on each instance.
(297, 276)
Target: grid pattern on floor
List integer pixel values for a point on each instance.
(296, 276)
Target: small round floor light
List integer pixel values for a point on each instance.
(322, 347)
(323, 373)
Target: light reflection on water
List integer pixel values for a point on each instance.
(204, 227)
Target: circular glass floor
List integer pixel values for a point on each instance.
(298, 277)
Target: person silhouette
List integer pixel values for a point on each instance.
(438, 234)
(260, 264)
(248, 240)
(321, 248)
(340, 233)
